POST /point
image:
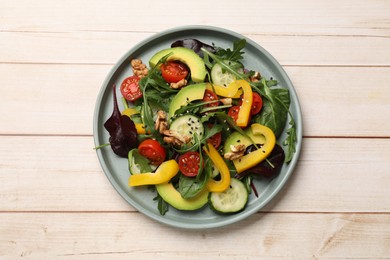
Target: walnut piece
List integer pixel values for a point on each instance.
(179, 84)
(237, 151)
(256, 77)
(139, 69)
(170, 136)
(161, 122)
(173, 137)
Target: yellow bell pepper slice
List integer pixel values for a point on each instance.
(245, 108)
(216, 158)
(141, 129)
(252, 159)
(164, 173)
(130, 111)
(231, 91)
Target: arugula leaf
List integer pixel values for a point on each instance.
(232, 55)
(290, 140)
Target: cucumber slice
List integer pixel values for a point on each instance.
(224, 78)
(232, 200)
(214, 172)
(188, 125)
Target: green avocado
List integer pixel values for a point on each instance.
(188, 57)
(185, 96)
(236, 138)
(170, 195)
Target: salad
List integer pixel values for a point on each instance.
(198, 126)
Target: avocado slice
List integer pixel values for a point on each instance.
(187, 56)
(185, 96)
(236, 138)
(169, 194)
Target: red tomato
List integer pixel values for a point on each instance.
(153, 151)
(233, 112)
(216, 139)
(189, 163)
(130, 88)
(257, 103)
(210, 96)
(173, 71)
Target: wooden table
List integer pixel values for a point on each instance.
(56, 202)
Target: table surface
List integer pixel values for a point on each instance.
(55, 200)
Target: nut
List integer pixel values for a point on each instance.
(256, 77)
(179, 84)
(139, 69)
(237, 151)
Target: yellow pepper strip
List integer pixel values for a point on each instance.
(216, 158)
(130, 111)
(139, 126)
(245, 109)
(141, 129)
(252, 159)
(231, 91)
(165, 172)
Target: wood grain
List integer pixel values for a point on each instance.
(106, 48)
(352, 101)
(56, 202)
(333, 175)
(299, 17)
(131, 235)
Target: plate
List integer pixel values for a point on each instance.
(116, 168)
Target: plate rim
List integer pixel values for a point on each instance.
(239, 216)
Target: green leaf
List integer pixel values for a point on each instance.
(232, 55)
(162, 205)
(191, 187)
(137, 161)
(290, 141)
(273, 114)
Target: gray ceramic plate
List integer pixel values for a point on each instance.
(116, 168)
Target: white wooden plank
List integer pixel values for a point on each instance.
(42, 98)
(107, 47)
(271, 17)
(333, 175)
(124, 236)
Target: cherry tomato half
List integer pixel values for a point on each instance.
(216, 139)
(174, 71)
(130, 88)
(153, 151)
(257, 103)
(210, 96)
(189, 163)
(233, 112)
